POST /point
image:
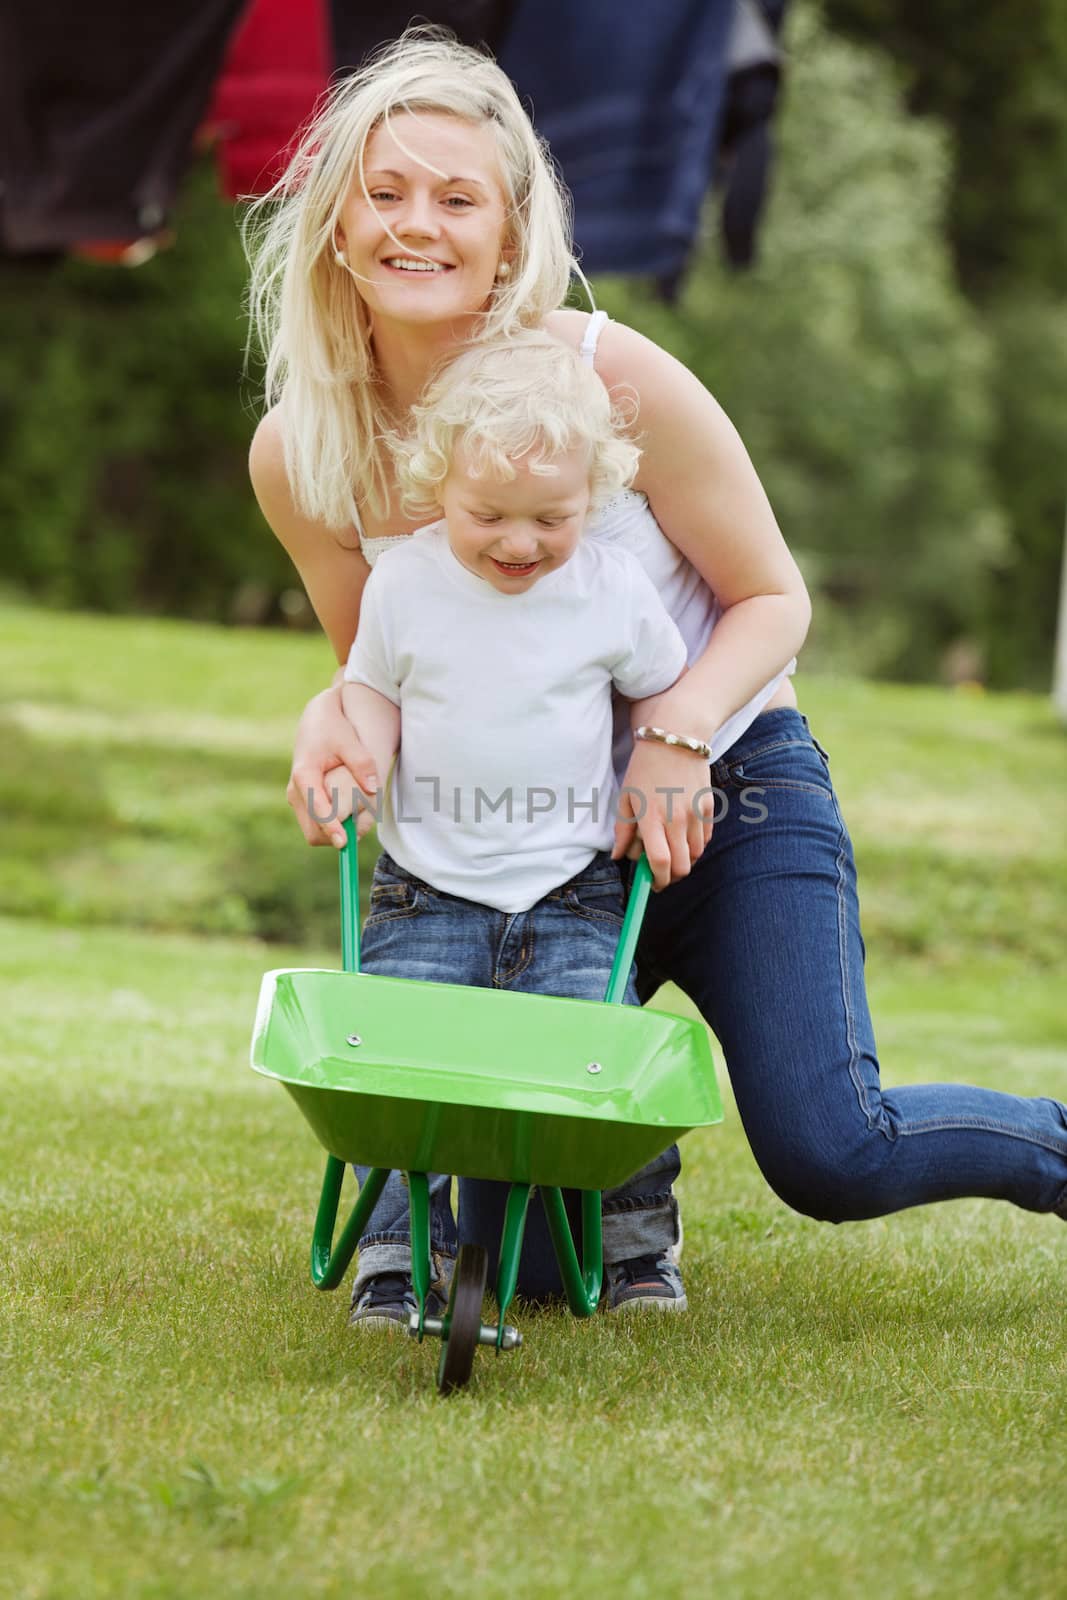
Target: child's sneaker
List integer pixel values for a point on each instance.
(645, 1283)
(387, 1301)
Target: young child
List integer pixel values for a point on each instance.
(489, 645)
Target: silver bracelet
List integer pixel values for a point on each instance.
(699, 747)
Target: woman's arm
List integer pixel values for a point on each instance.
(332, 573)
(377, 722)
(707, 498)
(328, 757)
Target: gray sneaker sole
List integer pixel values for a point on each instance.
(380, 1322)
(380, 1319)
(649, 1303)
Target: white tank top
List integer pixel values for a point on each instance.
(627, 521)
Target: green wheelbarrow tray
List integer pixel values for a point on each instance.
(399, 1075)
(434, 1077)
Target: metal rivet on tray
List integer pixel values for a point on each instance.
(354, 1040)
(594, 1066)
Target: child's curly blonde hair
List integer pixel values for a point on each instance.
(503, 399)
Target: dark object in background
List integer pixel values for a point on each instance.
(630, 100)
(745, 147)
(101, 103)
(359, 28)
(284, 54)
(103, 106)
(278, 63)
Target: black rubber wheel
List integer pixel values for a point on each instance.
(464, 1317)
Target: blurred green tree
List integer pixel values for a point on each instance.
(1029, 336)
(122, 430)
(996, 76)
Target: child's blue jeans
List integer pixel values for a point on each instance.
(564, 945)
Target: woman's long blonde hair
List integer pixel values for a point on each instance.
(313, 328)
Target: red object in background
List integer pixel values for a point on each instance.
(278, 64)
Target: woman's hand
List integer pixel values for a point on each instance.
(329, 766)
(666, 807)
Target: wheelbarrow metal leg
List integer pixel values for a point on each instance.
(507, 1273)
(421, 1265)
(581, 1283)
(329, 1262)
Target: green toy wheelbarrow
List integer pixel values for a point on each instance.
(399, 1075)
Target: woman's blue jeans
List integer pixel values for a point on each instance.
(764, 937)
(564, 945)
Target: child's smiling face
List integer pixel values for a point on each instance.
(512, 532)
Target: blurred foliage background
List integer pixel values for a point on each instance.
(896, 364)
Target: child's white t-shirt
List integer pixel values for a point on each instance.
(504, 786)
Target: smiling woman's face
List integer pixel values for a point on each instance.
(429, 241)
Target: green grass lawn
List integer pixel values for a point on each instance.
(142, 765)
(879, 1408)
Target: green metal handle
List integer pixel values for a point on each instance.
(631, 930)
(624, 950)
(350, 899)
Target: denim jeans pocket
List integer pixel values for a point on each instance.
(786, 764)
(597, 900)
(394, 892)
(389, 900)
(824, 754)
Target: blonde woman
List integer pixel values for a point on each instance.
(421, 214)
